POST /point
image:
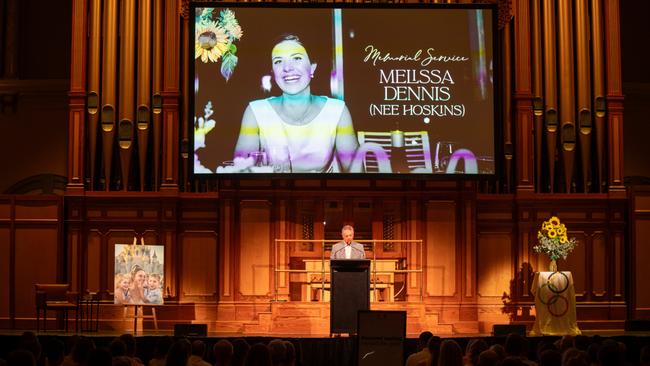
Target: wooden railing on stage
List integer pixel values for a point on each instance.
(379, 267)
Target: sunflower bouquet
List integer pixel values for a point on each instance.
(553, 241)
(214, 38)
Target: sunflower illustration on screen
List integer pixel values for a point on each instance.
(215, 36)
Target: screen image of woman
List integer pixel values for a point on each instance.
(296, 131)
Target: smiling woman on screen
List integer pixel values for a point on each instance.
(297, 131)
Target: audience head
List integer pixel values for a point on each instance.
(162, 347)
(499, 350)
(474, 349)
(81, 350)
(644, 359)
(100, 357)
(610, 354)
(290, 358)
(117, 348)
(129, 341)
(122, 361)
(258, 355)
(21, 357)
(450, 354)
(278, 351)
(29, 342)
(434, 349)
(240, 348)
(423, 339)
(516, 345)
(488, 358)
(178, 353)
(581, 342)
(223, 352)
(198, 348)
(54, 351)
(550, 357)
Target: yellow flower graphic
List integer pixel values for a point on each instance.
(211, 42)
(552, 233)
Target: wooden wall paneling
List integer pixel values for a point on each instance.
(550, 89)
(94, 74)
(599, 260)
(156, 90)
(255, 248)
(469, 250)
(441, 252)
(74, 259)
(226, 239)
(576, 262)
(185, 76)
(6, 270)
(618, 285)
(126, 89)
(11, 64)
(36, 261)
(171, 92)
(200, 267)
(525, 148)
(93, 261)
(600, 108)
(109, 76)
(143, 72)
(494, 270)
(524, 255)
(77, 104)
(567, 90)
(614, 97)
(538, 90)
(280, 253)
(583, 79)
(416, 258)
(640, 257)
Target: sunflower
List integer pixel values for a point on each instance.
(554, 221)
(561, 230)
(211, 41)
(563, 239)
(552, 233)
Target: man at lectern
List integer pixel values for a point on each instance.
(347, 249)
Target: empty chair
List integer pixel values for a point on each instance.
(57, 297)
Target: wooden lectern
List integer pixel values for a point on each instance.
(349, 293)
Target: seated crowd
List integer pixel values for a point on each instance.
(167, 352)
(566, 351)
(433, 351)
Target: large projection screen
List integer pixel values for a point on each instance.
(401, 91)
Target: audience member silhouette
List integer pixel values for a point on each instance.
(450, 354)
(223, 353)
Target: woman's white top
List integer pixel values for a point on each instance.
(310, 147)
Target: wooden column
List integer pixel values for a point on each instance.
(77, 102)
(171, 93)
(614, 96)
(523, 99)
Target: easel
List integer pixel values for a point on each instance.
(138, 313)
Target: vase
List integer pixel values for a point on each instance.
(552, 267)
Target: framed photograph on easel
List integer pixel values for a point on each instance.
(139, 273)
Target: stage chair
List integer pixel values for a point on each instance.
(416, 144)
(57, 297)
